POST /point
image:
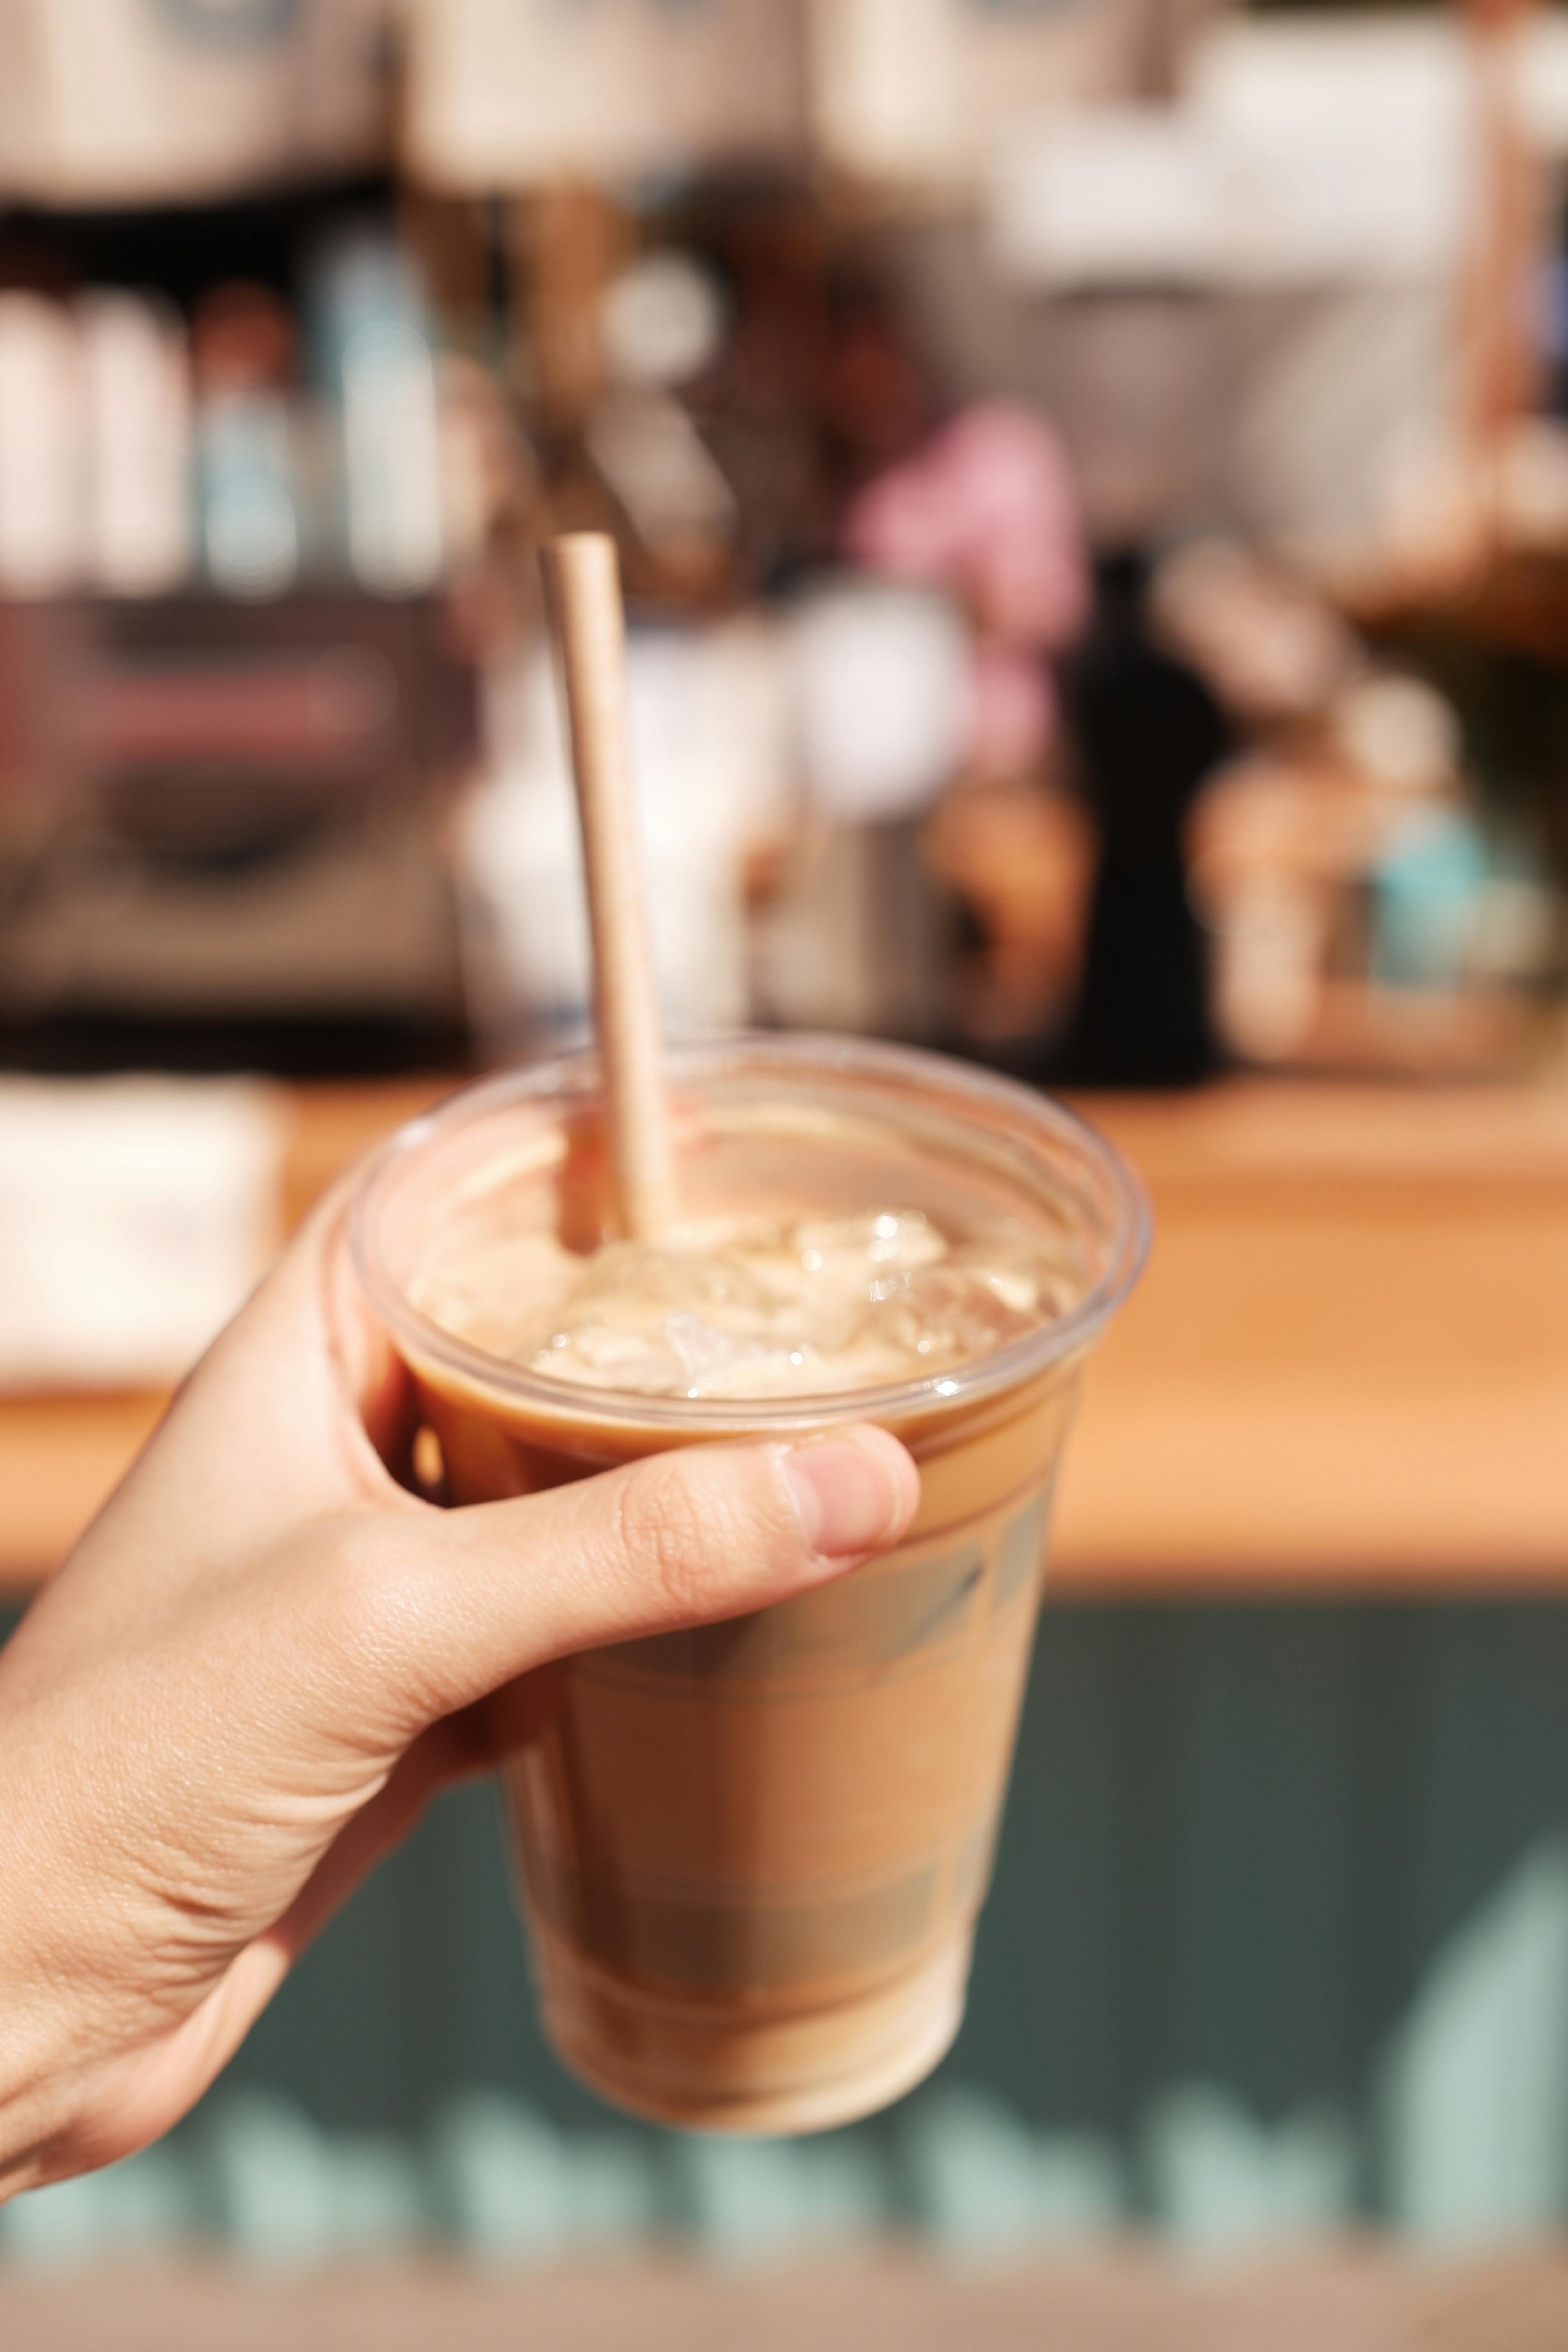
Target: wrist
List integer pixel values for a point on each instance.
(34, 2043)
(44, 1996)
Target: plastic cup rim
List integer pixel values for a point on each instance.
(423, 1339)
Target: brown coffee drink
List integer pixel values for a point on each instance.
(752, 1855)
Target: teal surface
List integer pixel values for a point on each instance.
(1280, 1933)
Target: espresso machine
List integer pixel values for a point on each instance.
(222, 832)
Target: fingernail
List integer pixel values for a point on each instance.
(848, 1493)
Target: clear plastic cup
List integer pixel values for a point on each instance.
(751, 1857)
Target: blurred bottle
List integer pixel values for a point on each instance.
(43, 504)
(1367, 912)
(1447, 907)
(371, 352)
(486, 467)
(135, 370)
(662, 321)
(881, 679)
(985, 509)
(243, 350)
(861, 935)
(1427, 889)
(709, 739)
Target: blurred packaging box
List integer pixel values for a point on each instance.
(917, 92)
(127, 101)
(1300, 156)
(508, 93)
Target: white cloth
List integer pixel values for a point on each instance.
(135, 1215)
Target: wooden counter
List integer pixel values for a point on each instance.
(1346, 1368)
(1128, 2296)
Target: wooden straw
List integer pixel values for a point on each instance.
(583, 579)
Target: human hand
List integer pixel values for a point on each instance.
(266, 1654)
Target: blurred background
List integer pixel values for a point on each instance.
(1092, 480)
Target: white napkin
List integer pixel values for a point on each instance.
(135, 1215)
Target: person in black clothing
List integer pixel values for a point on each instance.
(1147, 731)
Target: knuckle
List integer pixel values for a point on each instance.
(674, 1534)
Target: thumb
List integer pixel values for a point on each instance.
(463, 1600)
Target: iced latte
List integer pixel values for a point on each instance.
(750, 1856)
